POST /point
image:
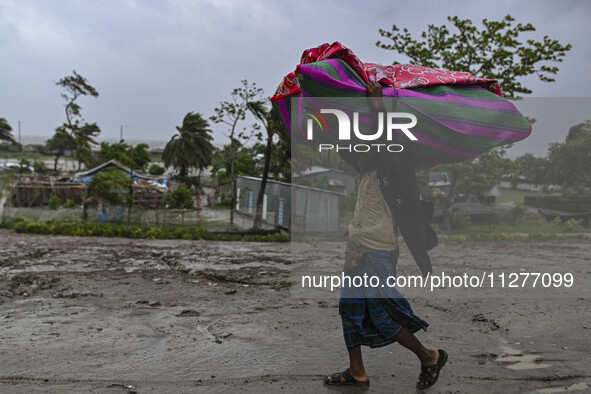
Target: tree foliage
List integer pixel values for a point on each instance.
(244, 163)
(59, 144)
(6, 131)
(528, 168)
(191, 147)
(231, 113)
(181, 198)
(495, 51)
(110, 184)
(135, 157)
(155, 169)
(570, 162)
(83, 134)
(479, 176)
(278, 142)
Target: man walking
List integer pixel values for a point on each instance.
(369, 317)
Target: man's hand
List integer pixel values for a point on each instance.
(374, 92)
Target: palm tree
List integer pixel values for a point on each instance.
(5, 131)
(191, 147)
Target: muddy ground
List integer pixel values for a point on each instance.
(103, 315)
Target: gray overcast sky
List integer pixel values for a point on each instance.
(154, 61)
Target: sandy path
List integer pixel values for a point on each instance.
(99, 314)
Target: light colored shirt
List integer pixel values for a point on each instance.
(372, 225)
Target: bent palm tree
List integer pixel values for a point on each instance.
(5, 131)
(191, 147)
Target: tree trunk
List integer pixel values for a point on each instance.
(233, 198)
(258, 217)
(57, 157)
(449, 200)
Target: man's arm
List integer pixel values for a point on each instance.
(376, 103)
(375, 97)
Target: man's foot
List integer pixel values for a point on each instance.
(431, 358)
(430, 373)
(345, 378)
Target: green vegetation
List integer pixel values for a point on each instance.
(179, 199)
(138, 232)
(191, 147)
(532, 230)
(54, 203)
(73, 134)
(70, 204)
(155, 169)
(495, 51)
(135, 157)
(514, 195)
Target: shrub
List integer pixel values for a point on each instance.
(54, 202)
(459, 222)
(513, 215)
(573, 225)
(39, 167)
(70, 204)
(180, 198)
(155, 169)
(116, 230)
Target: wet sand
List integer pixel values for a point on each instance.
(105, 315)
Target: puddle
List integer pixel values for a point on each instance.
(519, 361)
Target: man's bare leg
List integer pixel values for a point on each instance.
(356, 368)
(409, 341)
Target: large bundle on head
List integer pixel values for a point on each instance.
(458, 116)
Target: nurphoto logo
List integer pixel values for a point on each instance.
(344, 130)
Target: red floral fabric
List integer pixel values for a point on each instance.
(400, 76)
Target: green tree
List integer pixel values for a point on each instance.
(495, 51)
(528, 168)
(6, 131)
(84, 138)
(110, 185)
(231, 113)
(483, 173)
(191, 147)
(54, 202)
(155, 169)
(244, 164)
(82, 133)
(135, 157)
(24, 165)
(570, 162)
(59, 144)
(181, 198)
(39, 167)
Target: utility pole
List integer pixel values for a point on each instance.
(19, 133)
(121, 133)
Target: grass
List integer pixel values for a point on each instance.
(526, 227)
(93, 229)
(516, 196)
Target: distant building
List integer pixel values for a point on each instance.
(299, 209)
(336, 180)
(86, 176)
(148, 190)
